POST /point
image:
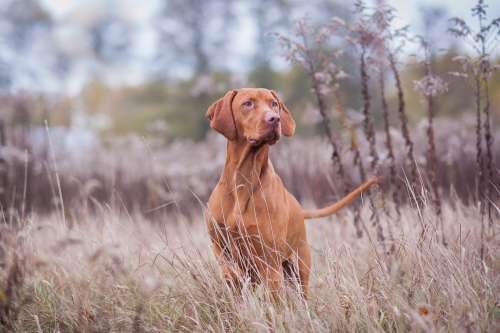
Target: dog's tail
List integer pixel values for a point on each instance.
(332, 209)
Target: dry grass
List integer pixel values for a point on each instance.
(120, 273)
(135, 174)
(110, 238)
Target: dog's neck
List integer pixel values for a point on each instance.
(245, 165)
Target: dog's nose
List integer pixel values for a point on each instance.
(272, 118)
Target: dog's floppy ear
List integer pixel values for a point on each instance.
(221, 117)
(287, 121)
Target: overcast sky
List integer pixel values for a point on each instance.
(142, 10)
(73, 15)
(409, 9)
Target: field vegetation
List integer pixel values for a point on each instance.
(105, 233)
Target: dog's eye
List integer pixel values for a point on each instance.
(248, 104)
(274, 104)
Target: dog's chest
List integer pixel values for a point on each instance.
(263, 209)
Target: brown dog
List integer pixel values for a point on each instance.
(256, 226)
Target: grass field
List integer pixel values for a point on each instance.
(102, 231)
(118, 273)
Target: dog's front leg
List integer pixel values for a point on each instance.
(271, 274)
(231, 273)
(274, 284)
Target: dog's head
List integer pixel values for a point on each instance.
(253, 115)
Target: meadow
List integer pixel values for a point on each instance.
(112, 272)
(106, 233)
(100, 265)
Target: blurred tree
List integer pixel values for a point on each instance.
(5, 74)
(325, 10)
(110, 36)
(21, 22)
(22, 19)
(193, 34)
(434, 27)
(269, 16)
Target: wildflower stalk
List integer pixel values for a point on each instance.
(370, 136)
(356, 160)
(363, 36)
(482, 79)
(479, 141)
(488, 138)
(375, 218)
(322, 107)
(388, 143)
(325, 121)
(483, 41)
(367, 121)
(479, 158)
(404, 120)
(318, 65)
(431, 86)
(3, 169)
(431, 154)
(484, 71)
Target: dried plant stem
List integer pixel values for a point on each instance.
(484, 181)
(370, 136)
(362, 173)
(322, 108)
(357, 161)
(482, 76)
(352, 131)
(433, 159)
(3, 169)
(484, 41)
(479, 158)
(325, 121)
(484, 72)
(431, 144)
(404, 121)
(431, 155)
(479, 142)
(367, 121)
(488, 138)
(336, 159)
(388, 143)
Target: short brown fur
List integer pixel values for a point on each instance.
(256, 226)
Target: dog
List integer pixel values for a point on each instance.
(255, 225)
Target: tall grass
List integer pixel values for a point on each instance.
(114, 173)
(79, 250)
(118, 273)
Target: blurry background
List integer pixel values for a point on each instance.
(103, 102)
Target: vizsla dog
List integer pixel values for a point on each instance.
(256, 226)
